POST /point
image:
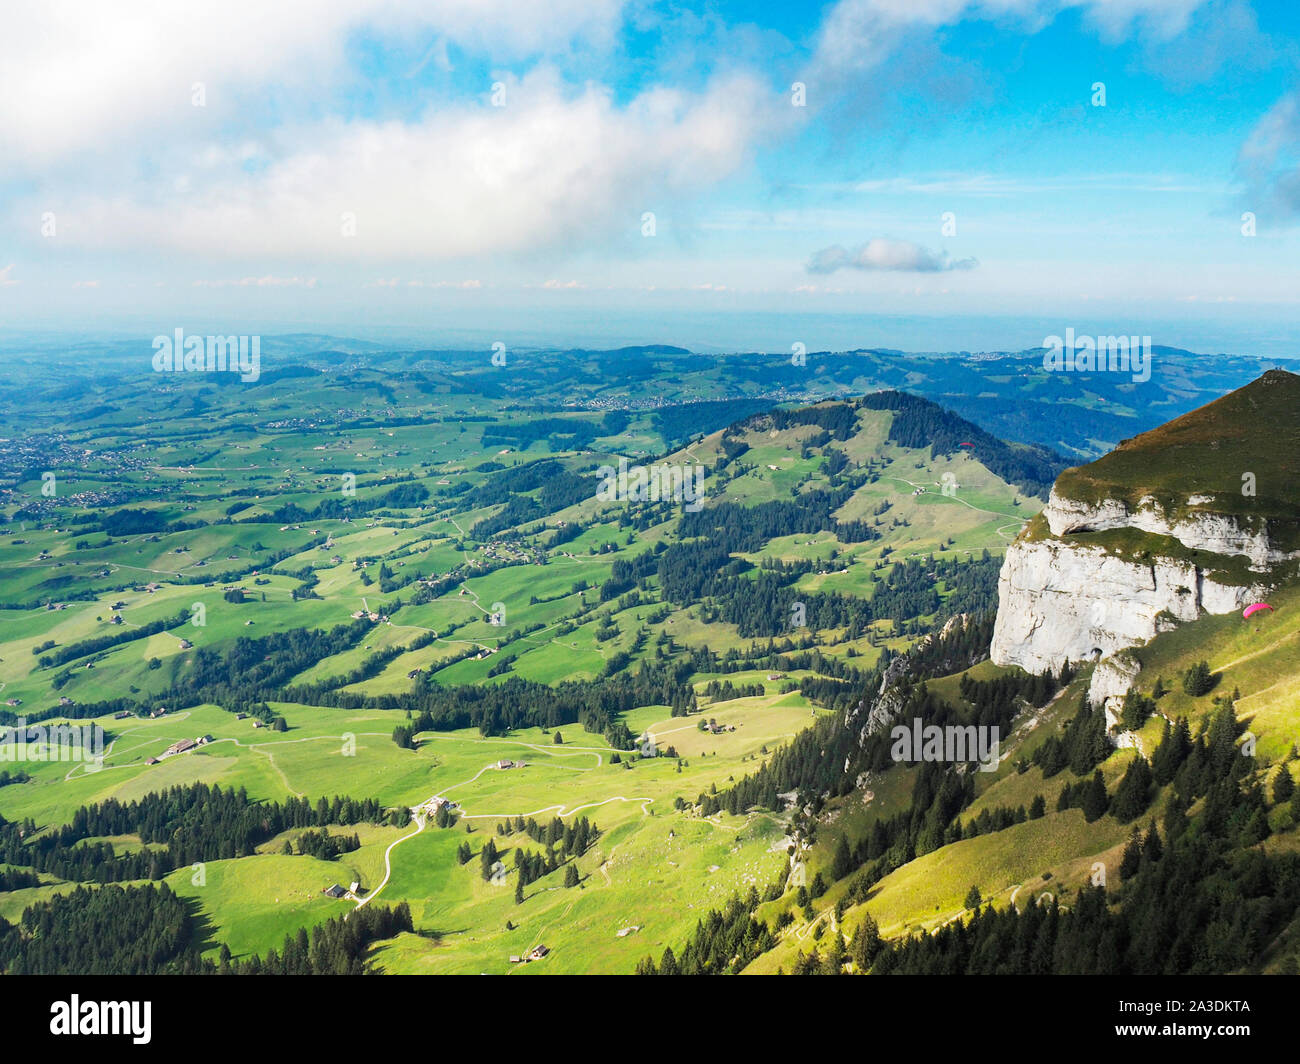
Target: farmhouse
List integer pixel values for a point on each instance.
(334, 891)
(179, 747)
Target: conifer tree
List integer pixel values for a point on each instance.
(1095, 800)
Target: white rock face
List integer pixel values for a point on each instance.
(1059, 601)
(1214, 532)
(1111, 680)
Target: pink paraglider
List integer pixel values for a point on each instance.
(1249, 611)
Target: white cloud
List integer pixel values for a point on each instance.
(883, 254)
(857, 35)
(5, 280)
(1269, 161)
(83, 74)
(552, 169)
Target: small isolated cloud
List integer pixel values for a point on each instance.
(5, 279)
(882, 254)
(85, 284)
(553, 283)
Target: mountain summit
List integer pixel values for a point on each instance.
(1201, 515)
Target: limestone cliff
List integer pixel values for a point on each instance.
(1164, 529)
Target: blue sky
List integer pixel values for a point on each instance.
(475, 168)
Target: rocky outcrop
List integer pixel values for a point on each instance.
(1111, 680)
(1058, 601)
(1165, 528)
(1199, 530)
(891, 697)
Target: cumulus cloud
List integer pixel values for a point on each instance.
(556, 168)
(82, 74)
(883, 254)
(5, 279)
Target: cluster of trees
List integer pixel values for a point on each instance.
(17, 879)
(681, 422)
(401, 497)
(517, 703)
(195, 823)
(723, 942)
(555, 485)
(1082, 746)
(765, 604)
(1089, 794)
(625, 575)
(324, 846)
(105, 642)
(994, 701)
(572, 839)
(737, 527)
(336, 947)
(839, 420)
(726, 691)
(1136, 710)
(1198, 680)
(110, 930)
(562, 433)
(1002, 818)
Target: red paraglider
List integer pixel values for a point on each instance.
(1249, 611)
